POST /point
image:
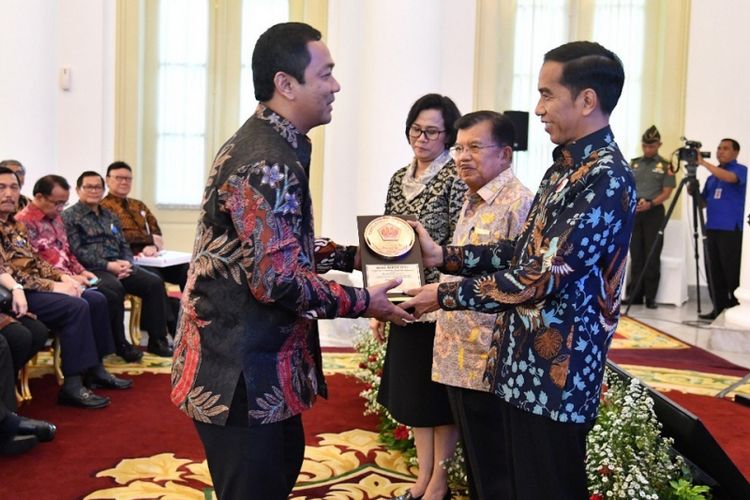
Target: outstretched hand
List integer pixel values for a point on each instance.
(423, 301)
(432, 253)
(382, 308)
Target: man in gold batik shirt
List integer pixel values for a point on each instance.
(495, 209)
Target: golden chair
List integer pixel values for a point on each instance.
(133, 304)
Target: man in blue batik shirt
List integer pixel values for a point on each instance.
(724, 197)
(556, 288)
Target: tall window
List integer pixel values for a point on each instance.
(201, 81)
(181, 101)
(619, 25)
(541, 25)
(257, 16)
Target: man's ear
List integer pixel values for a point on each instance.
(590, 101)
(507, 153)
(284, 84)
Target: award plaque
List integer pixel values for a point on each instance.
(389, 248)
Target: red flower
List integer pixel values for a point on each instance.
(379, 373)
(372, 358)
(363, 365)
(401, 432)
(596, 496)
(605, 471)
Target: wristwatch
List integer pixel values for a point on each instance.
(18, 286)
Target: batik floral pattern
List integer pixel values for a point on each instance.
(253, 290)
(556, 287)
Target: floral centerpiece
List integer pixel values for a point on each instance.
(627, 457)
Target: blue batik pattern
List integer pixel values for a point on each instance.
(556, 288)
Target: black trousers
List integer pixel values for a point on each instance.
(259, 462)
(25, 338)
(114, 293)
(71, 318)
(176, 275)
(645, 231)
(477, 415)
(724, 255)
(144, 284)
(172, 274)
(535, 457)
(7, 380)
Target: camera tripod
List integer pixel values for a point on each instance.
(699, 224)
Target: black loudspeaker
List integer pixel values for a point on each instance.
(520, 120)
(708, 462)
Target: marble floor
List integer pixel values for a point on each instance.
(681, 322)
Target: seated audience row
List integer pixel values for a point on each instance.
(55, 298)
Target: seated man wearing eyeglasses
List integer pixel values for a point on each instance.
(141, 231)
(95, 236)
(46, 231)
(139, 226)
(55, 298)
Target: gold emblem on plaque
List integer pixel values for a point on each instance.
(389, 237)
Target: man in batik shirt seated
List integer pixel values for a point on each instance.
(47, 235)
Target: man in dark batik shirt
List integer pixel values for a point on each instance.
(247, 357)
(556, 288)
(95, 236)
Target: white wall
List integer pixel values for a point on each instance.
(50, 130)
(718, 74)
(28, 39)
(388, 53)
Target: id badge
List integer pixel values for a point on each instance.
(717, 194)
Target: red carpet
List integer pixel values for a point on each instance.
(143, 423)
(139, 422)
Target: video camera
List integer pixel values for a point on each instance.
(690, 151)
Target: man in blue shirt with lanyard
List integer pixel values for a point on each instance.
(724, 198)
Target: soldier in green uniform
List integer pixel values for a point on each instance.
(654, 181)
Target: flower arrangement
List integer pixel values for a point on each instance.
(627, 457)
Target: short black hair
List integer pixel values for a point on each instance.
(442, 103)
(589, 65)
(6, 170)
(117, 165)
(735, 144)
(8, 162)
(503, 132)
(46, 184)
(283, 47)
(88, 173)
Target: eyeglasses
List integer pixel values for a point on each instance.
(87, 187)
(120, 178)
(473, 149)
(57, 204)
(430, 133)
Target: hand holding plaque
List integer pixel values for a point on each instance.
(389, 249)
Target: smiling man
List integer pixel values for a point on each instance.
(247, 357)
(495, 209)
(556, 288)
(48, 237)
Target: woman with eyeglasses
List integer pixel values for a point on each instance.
(428, 187)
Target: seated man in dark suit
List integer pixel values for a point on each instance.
(95, 236)
(47, 235)
(18, 434)
(55, 298)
